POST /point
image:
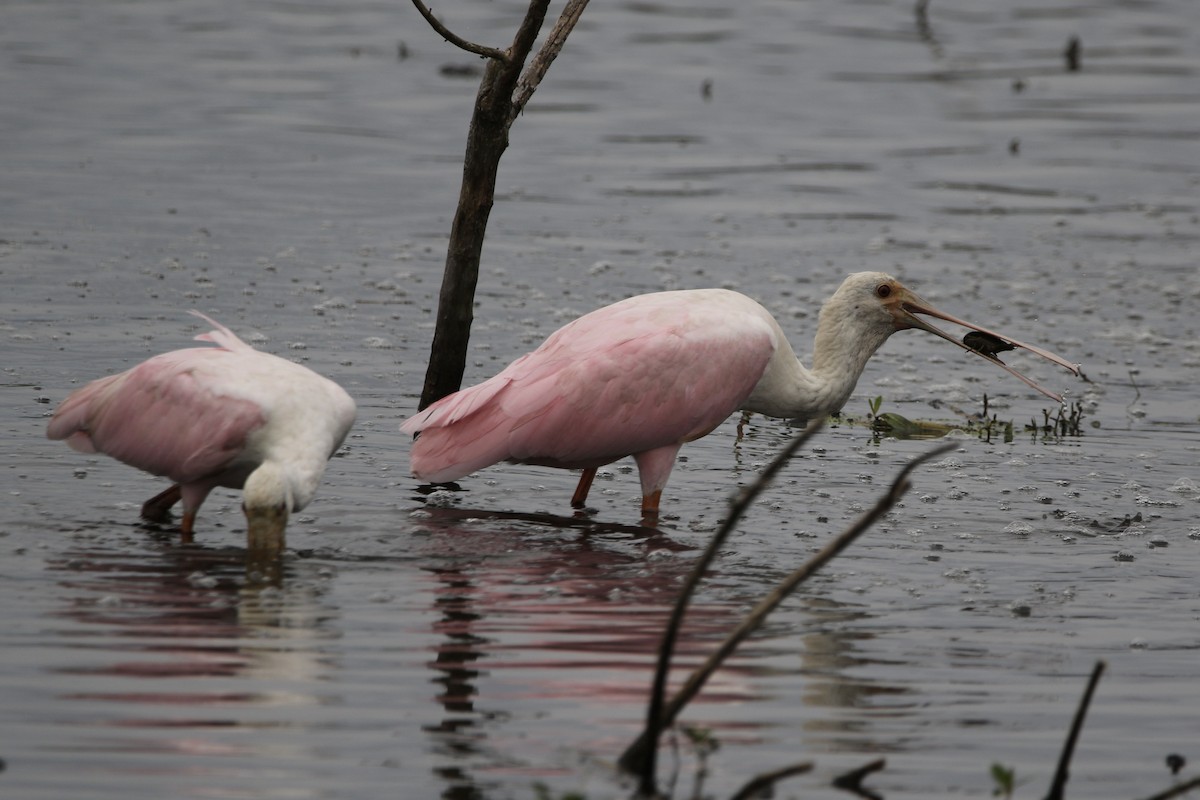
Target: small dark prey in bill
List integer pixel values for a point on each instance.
(985, 344)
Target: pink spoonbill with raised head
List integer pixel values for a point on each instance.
(646, 375)
(216, 416)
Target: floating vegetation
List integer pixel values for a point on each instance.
(901, 427)
(1066, 421)
(1060, 424)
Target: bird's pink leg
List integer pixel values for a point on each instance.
(585, 485)
(650, 505)
(158, 508)
(654, 467)
(187, 525)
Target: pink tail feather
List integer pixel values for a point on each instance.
(460, 433)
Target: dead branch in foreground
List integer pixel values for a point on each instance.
(1064, 761)
(640, 757)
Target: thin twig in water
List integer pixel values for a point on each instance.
(852, 781)
(1176, 790)
(760, 783)
(641, 752)
(1064, 761)
(643, 761)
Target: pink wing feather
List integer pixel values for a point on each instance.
(159, 417)
(645, 373)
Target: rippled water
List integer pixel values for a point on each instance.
(291, 169)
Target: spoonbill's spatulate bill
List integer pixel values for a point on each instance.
(643, 376)
(216, 416)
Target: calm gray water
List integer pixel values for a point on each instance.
(291, 169)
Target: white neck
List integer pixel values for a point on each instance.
(842, 347)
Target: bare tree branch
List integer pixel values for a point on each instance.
(1064, 761)
(518, 51)
(487, 139)
(760, 783)
(545, 57)
(638, 753)
(458, 41)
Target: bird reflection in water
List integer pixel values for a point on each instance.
(536, 642)
(182, 649)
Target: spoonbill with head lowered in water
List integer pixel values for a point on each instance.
(216, 416)
(646, 375)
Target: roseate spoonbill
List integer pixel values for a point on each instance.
(215, 416)
(645, 375)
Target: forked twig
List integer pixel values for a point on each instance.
(1064, 760)
(546, 55)
(852, 781)
(639, 756)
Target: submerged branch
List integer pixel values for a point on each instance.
(1176, 790)
(1064, 761)
(759, 784)
(852, 781)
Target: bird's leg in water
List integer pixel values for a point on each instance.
(158, 508)
(585, 485)
(650, 505)
(187, 525)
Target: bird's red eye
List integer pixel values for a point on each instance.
(883, 290)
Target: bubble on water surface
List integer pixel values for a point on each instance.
(1019, 528)
(442, 498)
(1145, 500)
(201, 580)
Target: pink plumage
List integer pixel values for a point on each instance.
(645, 375)
(599, 389)
(214, 416)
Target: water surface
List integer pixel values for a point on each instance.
(292, 168)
